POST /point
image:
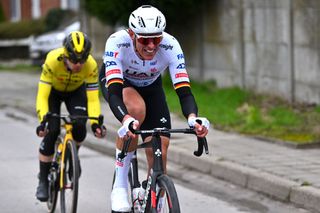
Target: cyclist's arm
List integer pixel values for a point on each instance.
(115, 99)
(187, 101)
(114, 77)
(180, 79)
(92, 88)
(44, 89)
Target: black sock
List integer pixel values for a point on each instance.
(44, 170)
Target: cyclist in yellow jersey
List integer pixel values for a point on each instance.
(69, 75)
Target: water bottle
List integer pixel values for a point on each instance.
(137, 197)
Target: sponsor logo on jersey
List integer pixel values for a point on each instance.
(153, 70)
(125, 45)
(139, 75)
(166, 46)
(180, 56)
(133, 68)
(152, 63)
(181, 66)
(114, 71)
(111, 54)
(110, 63)
(134, 62)
(181, 75)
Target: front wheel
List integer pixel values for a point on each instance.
(53, 191)
(167, 198)
(70, 179)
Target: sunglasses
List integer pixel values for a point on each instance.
(145, 40)
(75, 61)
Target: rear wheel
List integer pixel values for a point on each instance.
(70, 176)
(167, 198)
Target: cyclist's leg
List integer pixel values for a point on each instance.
(46, 149)
(76, 103)
(119, 196)
(157, 115)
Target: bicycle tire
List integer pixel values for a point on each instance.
(69, 191)
(167, 189)
(53, 192)
(53, 182)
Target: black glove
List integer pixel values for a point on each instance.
(102, 128)
(41, 127)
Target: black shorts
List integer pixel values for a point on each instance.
(76, 104)
(157, 111)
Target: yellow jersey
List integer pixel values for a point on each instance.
(56, 74)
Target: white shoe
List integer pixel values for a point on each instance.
(120, 200)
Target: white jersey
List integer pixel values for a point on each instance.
(122, 62)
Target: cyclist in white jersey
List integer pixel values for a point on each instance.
(131, 82)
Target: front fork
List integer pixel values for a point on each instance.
(157, 169)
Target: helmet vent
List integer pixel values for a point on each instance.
(141, 22)
(133, 25)
(78, 38)
(158, 21)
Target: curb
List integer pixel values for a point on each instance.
(268, 184)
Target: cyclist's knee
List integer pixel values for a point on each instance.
(138, 114)
(47, 144)
(46, 147)
(79, 131)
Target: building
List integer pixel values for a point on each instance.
(17, 10)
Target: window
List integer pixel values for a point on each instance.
(36, 13)
(15, 10)
(70, 4)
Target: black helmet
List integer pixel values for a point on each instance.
(77, 46)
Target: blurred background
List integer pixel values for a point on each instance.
(267, 46)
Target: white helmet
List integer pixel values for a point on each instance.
(147, 20)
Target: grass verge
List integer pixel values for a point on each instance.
(236, 110)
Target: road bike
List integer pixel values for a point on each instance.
(65, 168)
(158, 186)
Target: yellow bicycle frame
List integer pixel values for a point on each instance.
(62, 147)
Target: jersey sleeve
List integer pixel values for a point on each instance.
(44, 89)
(92, 88)
(112, 61)
(114, 76)
(180, 80)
